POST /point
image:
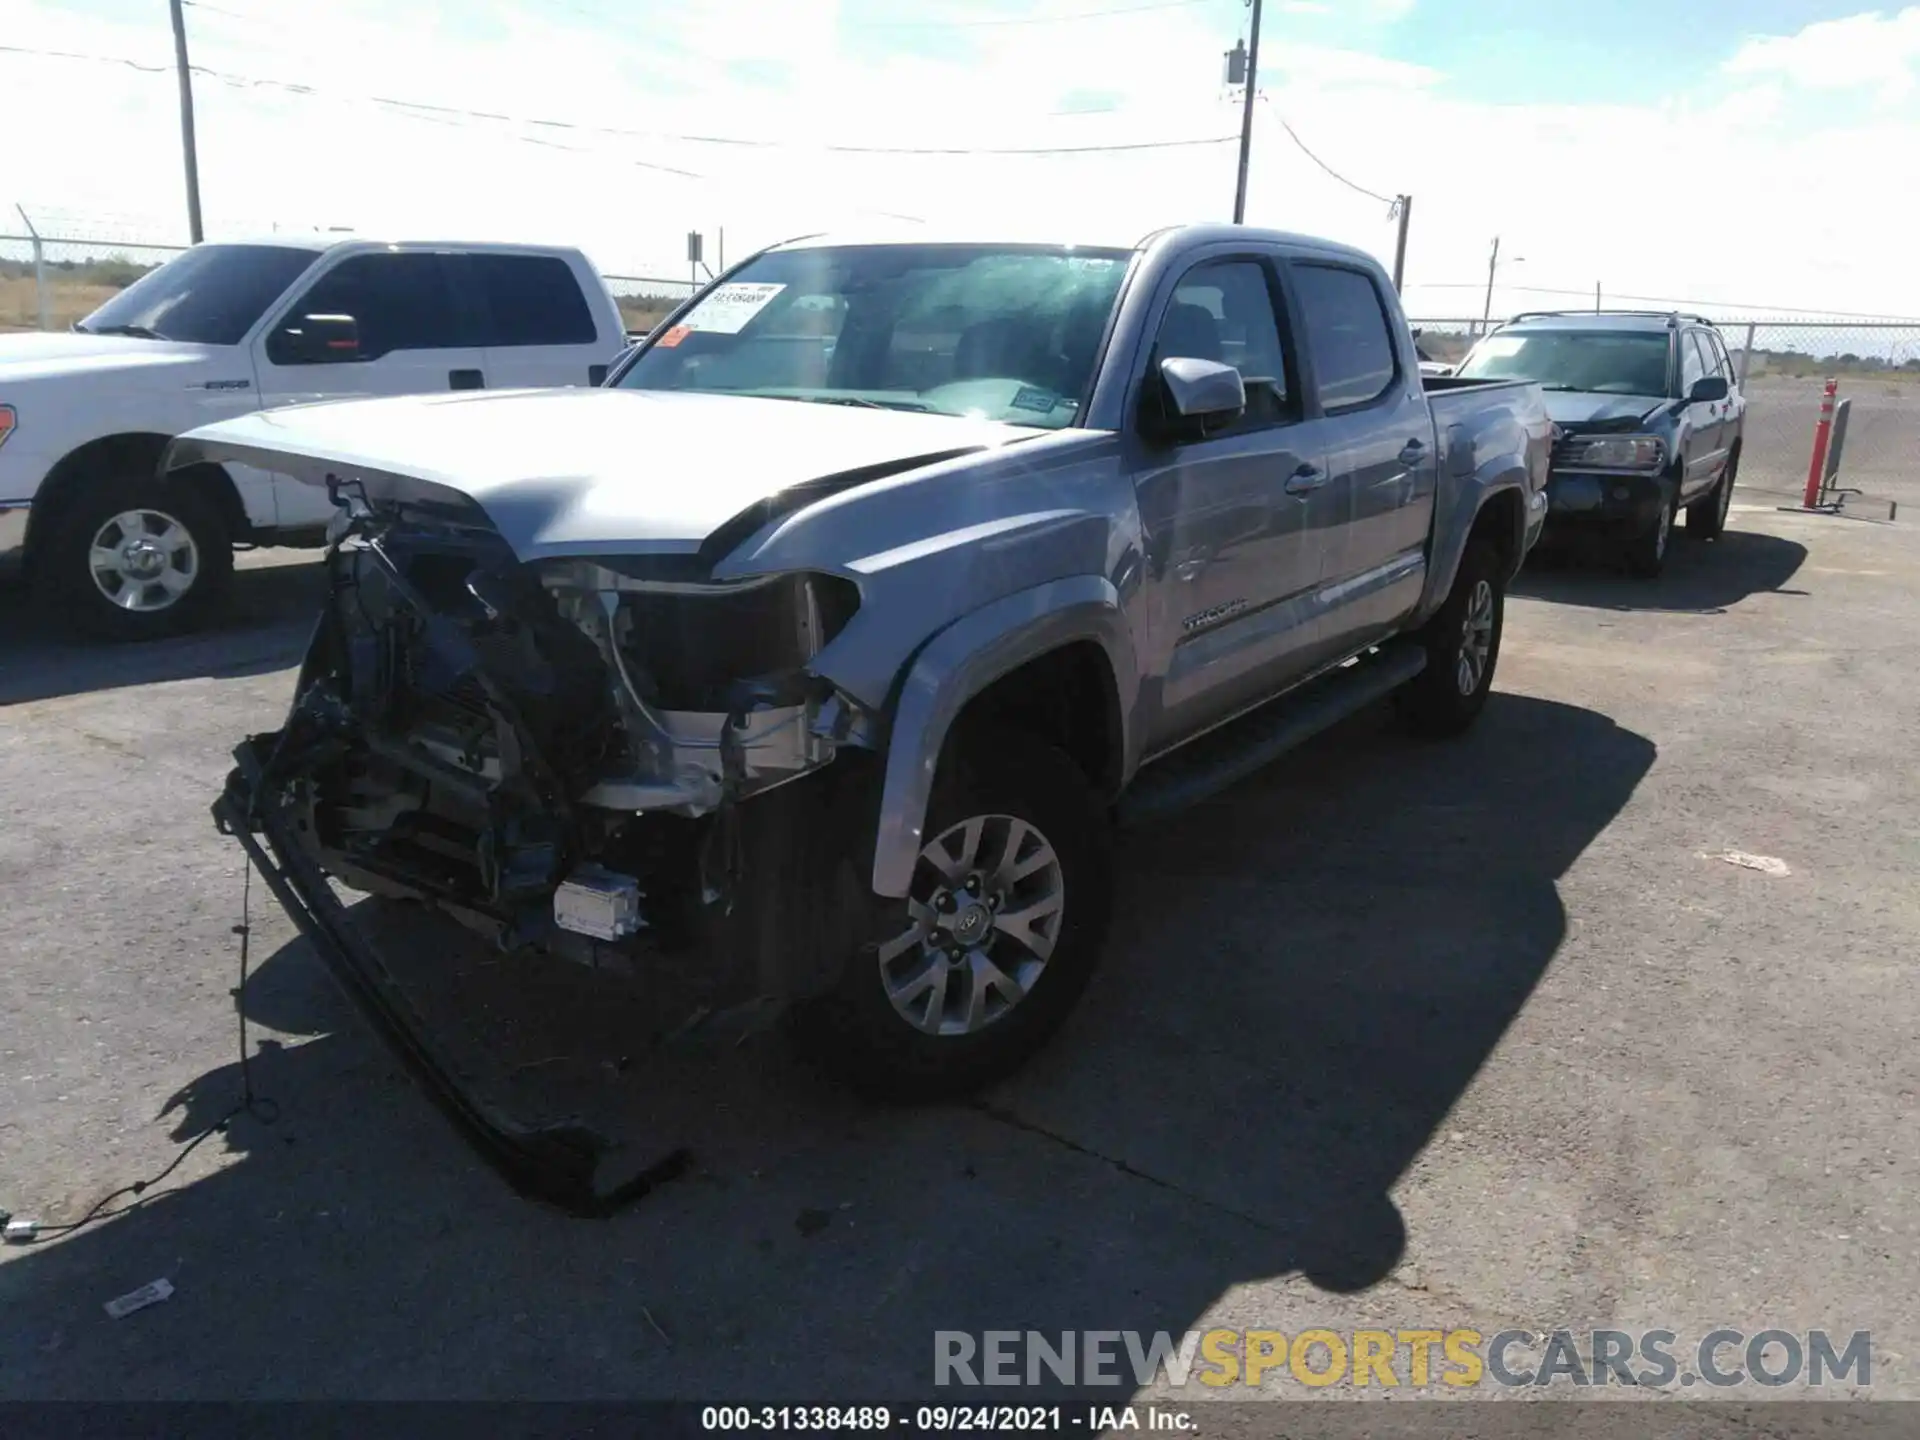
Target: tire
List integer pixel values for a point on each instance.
(862, 1035)
(170, 575)
(1707, 516)
(1647, 550)
(1462, 641)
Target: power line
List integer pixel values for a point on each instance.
(454, 112)
(1304, 150)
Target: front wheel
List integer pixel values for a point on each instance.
(1707, 516)
(961, 982)
(135, 560)
(1647, 550)
(1462, 641)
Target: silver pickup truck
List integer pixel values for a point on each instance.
(811, 657)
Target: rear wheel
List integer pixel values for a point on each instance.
(133, 560)
(960, 983)
(1707, 516)
(1463, 645)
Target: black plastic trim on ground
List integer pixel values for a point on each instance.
(558, 1165)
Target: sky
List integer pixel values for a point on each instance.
(1754, 155)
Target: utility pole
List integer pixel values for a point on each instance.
(1246, 116)
(1596, 297)
(1403, 204)
(1493, 263)
(186, 120)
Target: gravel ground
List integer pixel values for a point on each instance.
(1395, 1035)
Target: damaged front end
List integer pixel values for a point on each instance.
(611, 762)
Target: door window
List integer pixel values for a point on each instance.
(1348, 335)
(528, 300)
(398, 300)
(1223, 310)
(1693, 365)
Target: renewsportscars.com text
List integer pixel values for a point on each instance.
(1413, 1359)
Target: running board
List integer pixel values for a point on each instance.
(1204, 767)
(561, 1165)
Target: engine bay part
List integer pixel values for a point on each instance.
(568, 749)
(597, 902)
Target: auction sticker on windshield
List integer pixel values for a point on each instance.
(728, 309)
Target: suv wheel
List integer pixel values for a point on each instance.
(132, 560)
(1647, 551)
(1707, 516)
(1463, 645)
(960, 983)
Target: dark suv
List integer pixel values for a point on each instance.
(1648, 418)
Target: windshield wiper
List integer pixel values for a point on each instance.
(866, 404)
(138, 332)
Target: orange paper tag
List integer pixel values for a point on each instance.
(674, 336)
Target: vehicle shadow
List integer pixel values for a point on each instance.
(1699, 579)
(265, 629)
(1304, 977)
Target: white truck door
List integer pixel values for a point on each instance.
(377, 323)
(537, 327)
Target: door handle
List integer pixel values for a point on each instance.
(466, 380)
(1306, 480)
(1412, 451)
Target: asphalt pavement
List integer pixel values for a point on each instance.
(1482, 1034)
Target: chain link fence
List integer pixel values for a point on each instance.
(1784, 364)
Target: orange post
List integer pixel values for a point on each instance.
(1822, 435)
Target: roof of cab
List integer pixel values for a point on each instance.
(1650, 322)
(319, 242)
(915, 234)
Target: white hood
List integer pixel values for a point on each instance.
(48, 354)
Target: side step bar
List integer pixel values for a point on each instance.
(559, 1165)
(1221, 758)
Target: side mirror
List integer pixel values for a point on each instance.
(1708, 390)
(322, 339)
(1203, 392)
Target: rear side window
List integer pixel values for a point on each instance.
(399, 300)
(1348, 335)
(529, 300)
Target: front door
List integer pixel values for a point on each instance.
(1700, 430)
(414, 337)
(1230, 519)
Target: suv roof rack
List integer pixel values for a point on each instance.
(1672, 317)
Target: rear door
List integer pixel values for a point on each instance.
(536, 326)
(1230, 551)
(1381, 467)
(415, 337)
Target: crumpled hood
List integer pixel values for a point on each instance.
(1585, 410)
(47, 354)
(590, 472)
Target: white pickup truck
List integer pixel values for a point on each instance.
(226, 329)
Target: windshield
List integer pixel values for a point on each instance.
(211, 295)
(1005, 333)
(1606, 362)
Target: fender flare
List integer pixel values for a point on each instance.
(1454, 525)
(959, 663)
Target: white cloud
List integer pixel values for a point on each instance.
(1867, 51)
